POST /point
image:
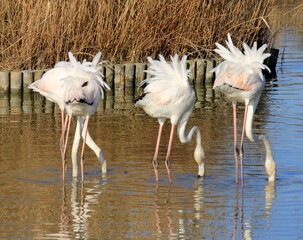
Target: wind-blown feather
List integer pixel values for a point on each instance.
(82, 73)
(168, 81)
(235, 64)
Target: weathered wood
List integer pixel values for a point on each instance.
(27, 103)
(109, 79)
(119, 83)
(16, 102)
(209, 76)
(4, 103)
(200, 72)
(16, 81)
(28, 78)
(38, 74)
(4, 81)
(129, 82)
(191, 65)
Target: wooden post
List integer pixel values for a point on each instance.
(129, 81)
(209, 76)
(38, 74)
(119, 83)
(4, 81)
(16, 81)
(28, 78)
(201, 68)
(109, 79)
(191, 65)
(140, 75)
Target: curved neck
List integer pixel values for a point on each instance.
(199, 152)
(187, 138)
(90, 142)
(270, 164)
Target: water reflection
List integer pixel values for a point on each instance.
(77, 202)
(31, 102)
(158, 219)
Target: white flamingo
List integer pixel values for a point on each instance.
(240, 78)
(169, 95)
(56, 85)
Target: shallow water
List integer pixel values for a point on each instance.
(128, 202)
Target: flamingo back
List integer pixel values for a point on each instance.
(168, 82)
(240, 70)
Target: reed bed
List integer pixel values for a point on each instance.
(35, 34)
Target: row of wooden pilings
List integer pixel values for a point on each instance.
(119, 76)
(123, 79)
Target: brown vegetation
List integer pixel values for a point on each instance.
(35, 34)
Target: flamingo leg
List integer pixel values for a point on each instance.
(64, 166)
(83, 146)
(63, 128)
(236, 150)
(155, 159)
(241, 145)
(62, 132)
(167, 163)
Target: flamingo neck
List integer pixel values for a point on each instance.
(270, 164)
(185, 138)
(90, 142)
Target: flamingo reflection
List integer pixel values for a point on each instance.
(74, 217)
(158, 207)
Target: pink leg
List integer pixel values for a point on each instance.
(83, 146)
(64, 166)
(241, 145)
(64, 123)
(167, 163)
(62, 132)
(236, 150)
(155, 159)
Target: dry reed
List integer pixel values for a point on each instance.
(35, 34)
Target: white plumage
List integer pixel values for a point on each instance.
(76, 87)
(168, 94)
(240, 78)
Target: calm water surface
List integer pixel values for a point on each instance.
(127, 202)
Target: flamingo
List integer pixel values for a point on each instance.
(51, 86)
(168, 94)
(240, 78)
(82, 92)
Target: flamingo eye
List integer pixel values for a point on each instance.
(84, 84)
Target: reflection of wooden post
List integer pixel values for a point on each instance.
(16, 81)
(4, 103)
(28, 78)
(38, 103)
(49, 106)
(15, 102)
(27, 103)
(4, 81)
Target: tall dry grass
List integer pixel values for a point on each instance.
(38, 33)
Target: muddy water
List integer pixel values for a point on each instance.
(128, 202)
